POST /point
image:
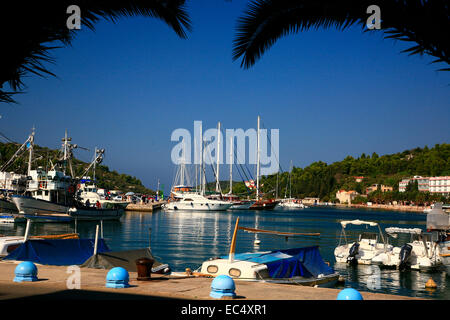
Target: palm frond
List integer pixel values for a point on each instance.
(31, 30)
(265, 21)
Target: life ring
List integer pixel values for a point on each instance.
(41, 185)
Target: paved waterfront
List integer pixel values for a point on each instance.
(52, 285)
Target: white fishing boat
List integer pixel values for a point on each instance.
(365, 249)
(300, 266)
(420, 253)
(50, 195)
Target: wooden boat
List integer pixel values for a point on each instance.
(269, 204)
(300, 266)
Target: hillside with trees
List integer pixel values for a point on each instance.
(323, 180)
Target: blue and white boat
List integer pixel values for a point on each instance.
(300, 266)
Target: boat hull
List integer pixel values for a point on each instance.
(264, 205)
(197, 206)
(45, 211)
(7, 206)
(242, 206)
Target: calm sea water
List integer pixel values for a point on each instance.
(186, 239)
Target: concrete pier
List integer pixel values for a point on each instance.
(147, 207)
(53, 284)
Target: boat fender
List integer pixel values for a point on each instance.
(404, 255)
(353, 252)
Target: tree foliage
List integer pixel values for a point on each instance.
(322, 180)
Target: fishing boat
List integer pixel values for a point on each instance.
(300, 266)
(11, 182)
(50, 194)
(50, 198)
(420, 253)
(365, 249)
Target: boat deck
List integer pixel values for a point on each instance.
(52, 285)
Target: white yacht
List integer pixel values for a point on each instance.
(418, 254)
(365, 249)
(193, 201)
(291, 203)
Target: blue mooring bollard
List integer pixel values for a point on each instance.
(117, 278)
(349, 294)
(25, 271)
(222, 286)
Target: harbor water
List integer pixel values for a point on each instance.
(186, 239)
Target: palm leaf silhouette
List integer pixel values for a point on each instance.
(423, 22)
(31, 30)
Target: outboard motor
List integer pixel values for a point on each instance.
(352, 253)
(405, 253)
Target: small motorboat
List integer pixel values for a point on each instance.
(300, 266)
(418, 254)
(363, 250)
(9, 243)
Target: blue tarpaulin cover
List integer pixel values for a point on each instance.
(57, 252)
(298, 262)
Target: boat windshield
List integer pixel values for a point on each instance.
(368, 236)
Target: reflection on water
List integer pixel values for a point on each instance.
(186, 239)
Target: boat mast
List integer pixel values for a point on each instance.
(218, 158)
(95, 162)
(257, 163)
(290, 182)
(31, 141)
(231, 165)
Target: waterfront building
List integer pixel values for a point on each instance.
(374, 187)
(359, 179)
(346, 196)
(440, 185)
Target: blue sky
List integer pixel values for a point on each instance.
(127, 86)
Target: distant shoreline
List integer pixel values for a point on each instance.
(416, 209)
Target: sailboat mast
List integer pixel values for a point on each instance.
(257, 162)
(218, 158)
(290, 182)
(231, 165)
